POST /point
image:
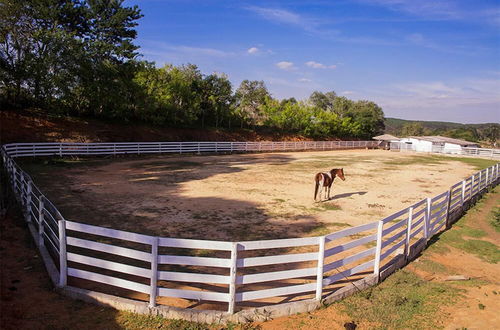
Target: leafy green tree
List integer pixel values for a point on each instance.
(412, 129)
(249, 96)
(68, 53)
(217, 100)
(323, 101)
(369, 116)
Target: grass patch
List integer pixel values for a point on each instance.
(403, 301)
(330, 207)
(430, 266)
(495, 218)
(128, 320)
(456, 238)
(327, 228)
(418, 160)
(478, 163)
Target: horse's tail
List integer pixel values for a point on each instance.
(317, 185)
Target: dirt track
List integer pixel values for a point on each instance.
(243, 197)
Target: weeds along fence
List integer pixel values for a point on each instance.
(213, 281)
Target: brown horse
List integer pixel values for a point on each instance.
(326, 180)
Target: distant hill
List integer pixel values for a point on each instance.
(488, 132)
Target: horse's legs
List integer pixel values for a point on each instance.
(320, 189)
(329, 192)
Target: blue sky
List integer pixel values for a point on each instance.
(418, 59)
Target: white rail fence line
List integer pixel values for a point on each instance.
(82, 149)
(160, 267)
(474, 152)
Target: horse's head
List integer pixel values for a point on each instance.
(338, 172)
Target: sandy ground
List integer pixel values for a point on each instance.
(250, 196)
(244, 196)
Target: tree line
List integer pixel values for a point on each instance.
(77, 57)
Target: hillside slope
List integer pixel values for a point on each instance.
(38, 126)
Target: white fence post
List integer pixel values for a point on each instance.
(463, 193)
(486, 183)
(40, 220)
(471, 186)
(154, 273)
(408, 231)
(448, 209)
(232, 278)
(28, 200)
(14, 175)
(427, 219)
(21, 190)
(319, 275)
(479, 186)
(63, 263)
(378, 250)
(60, 149)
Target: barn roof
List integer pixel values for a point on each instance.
(444, 139)
(385, 137)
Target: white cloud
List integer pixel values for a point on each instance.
(155, 48)
(348, 92)
(253, 50)
(465, 100)
(280, 16)
(284, 65)
(316, 65)
(305, 80)
(443, 9)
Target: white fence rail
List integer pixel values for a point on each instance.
(121, 148)
(471, 152)
(230, 272)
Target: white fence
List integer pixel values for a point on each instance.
(237, 274)
(121, 148)
(470, 152)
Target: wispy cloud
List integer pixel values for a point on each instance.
(284, 65)
(304, 80)
(443, 9)
(252, 50)
(316, 65)
(276, 15)
(347, 93)
(155, 48)
(438, 100)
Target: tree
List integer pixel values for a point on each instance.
(323, 101)
(217, 100)
(249, 97)
(369, 116)
(68, 53)
(412, 129)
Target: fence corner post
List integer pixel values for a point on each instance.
(378, 249)
(232, 278)
(154, 273)
(319, 275)
(63, 263)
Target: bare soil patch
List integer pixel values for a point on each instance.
(242, 196)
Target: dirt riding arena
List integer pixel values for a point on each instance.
(241, 196)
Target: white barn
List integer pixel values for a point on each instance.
(436, 144)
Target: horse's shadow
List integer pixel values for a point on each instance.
(344, 195)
